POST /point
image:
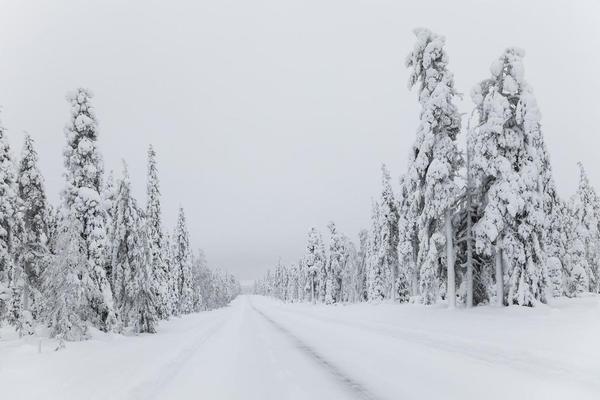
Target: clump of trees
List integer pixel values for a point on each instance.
(99, 258)
(481, 224)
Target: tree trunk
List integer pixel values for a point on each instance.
(415, 275)
(451, 289)
(312, 288)
(469, 271)
(499, 274)
(469, 277)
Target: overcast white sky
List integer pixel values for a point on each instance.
(270, 116)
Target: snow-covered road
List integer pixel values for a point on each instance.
(258, 348)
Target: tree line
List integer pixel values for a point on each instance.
(478, 225)
(98, 259)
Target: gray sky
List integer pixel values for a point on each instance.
(270, 116)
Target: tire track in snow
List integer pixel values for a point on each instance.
(152, 387)
(355, 387)
(487, 353)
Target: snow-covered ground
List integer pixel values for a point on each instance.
(259, 348)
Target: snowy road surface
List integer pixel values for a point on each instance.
(258, 348)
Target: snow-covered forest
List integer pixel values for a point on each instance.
(99, 259)
(480, 223)
(346, 235)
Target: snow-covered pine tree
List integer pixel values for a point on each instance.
(506, 165)
(32, 229)
(303, 295)
(375, 274)
(434, 162)
(556, 245)
(407, 237)
(84, 170)
(314, 261)
(575, 277)
(585, 209)
(66, 306)
(10, 275)
(349, 290)
(155, 235)
(144, 313)
(53, 222)
(108, 194)
(388, 235)
(334, 265)
(292, 289)
(173, 275)
(361, 271)
(198, 266)
(132, 281)
(182, 263)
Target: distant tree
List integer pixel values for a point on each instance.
(182, 263)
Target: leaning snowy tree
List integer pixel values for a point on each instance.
(155, 236)
(434, 163)
(82, 198)
(31, 229)
(182, 262)
(506, 165)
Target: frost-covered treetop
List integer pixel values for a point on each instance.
(82, 159)
(428, 61)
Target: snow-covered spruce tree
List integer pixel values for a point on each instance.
(182, 263)
(303, 294)
(155, 235)
(108, 194)
(32, 229)
(314, 261)
(388, 234)
(293, 284)
(173, 275)
(53, 223)
(556, 241)
(334, 265)
(133, 284)
(585, 209)
(574, 276)
(361, 269)
(434, 162)
(408, 242)
(143, 315)
(350, 286)
(198, 266)
(82, 198)
(10, 275)
(375, 271)
(506, 165)
(64, 281)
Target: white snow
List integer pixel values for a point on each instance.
(259, 348)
